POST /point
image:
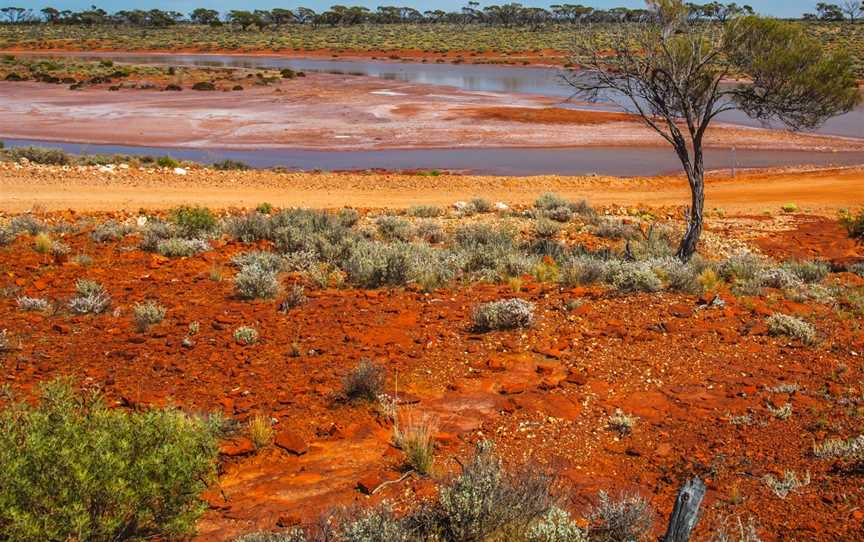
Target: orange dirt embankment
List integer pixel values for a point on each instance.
(88, 189)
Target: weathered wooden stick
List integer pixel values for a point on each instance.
(686, 511)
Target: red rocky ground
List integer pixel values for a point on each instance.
(543, 393)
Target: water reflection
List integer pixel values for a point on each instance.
(484, 78)
(495, 161)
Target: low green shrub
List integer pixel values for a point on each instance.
(268, 261)
(231, 165)
(790, 326)
(167, 162)
(7, 236)
(245, 335)
(39, 155)
(147, 314)
(392, 228)
(91, 298)
(425, 211)
(110, 230)
(626, 519)
(430, 231)
(32, 304)
(27, 224)
(504, 314)
(73, 469)
(194, 222)
(181, 247)
(629, 277)
(250, 228)
(854, 224)
(256, 282)
(809, 271)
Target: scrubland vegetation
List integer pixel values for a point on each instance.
(79, 74)
(161, 460)
(479, 43)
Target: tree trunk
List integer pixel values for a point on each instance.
(696, 178)
(686, 511)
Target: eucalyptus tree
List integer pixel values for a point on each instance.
(674, 74)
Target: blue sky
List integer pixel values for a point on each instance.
(779, 8)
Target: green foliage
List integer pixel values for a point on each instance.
(246, 335)
(147, 314)
(179, 247)
(255, 281)
(167, 162)
(854, 224)
(793, 78)
(194, 222)
(38, 155)
(425, 211)
(73, 469)
(230, 165)
(504, 314)
(91, 298)
(790, 326)
(486, 503)
(626, 519)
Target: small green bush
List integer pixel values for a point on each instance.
(246, 335)
(91, 298)
(550, 200)
(39, 155)
(504, 314)
(73, 469)
(231, 165)
(789, 326)
(268, 261)
(546, 229)
(582, 270)
(626, 519)
(809, 272)
(250, 228)
(194, 222)
(167, 162)
(425, 211)
(147, 314)
(32, 304)
(629, 277)
(430, 231)
(7, 236)
(27, 224)
(256, 282)
(854, 224)
(486, 503)
(392, 228)
(180, 247)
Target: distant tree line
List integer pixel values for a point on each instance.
(507, 15)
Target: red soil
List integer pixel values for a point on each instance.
(549, 115)
(814, 237)
(542, 393)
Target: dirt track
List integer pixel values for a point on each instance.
(87, 189)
